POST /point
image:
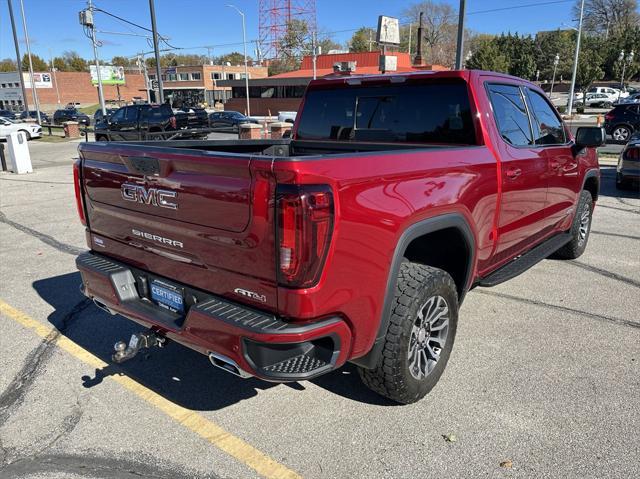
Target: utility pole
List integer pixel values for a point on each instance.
(370, 39)
(25, 101)
(410, 25)
(53, 72)
(156, 50)
(314, 46)
(86, 20)
(418, 58)
(246, 69)
(33, 83)
(460, 46)
(575, 62)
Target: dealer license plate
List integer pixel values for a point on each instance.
(167, 296)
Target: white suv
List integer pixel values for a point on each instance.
(613, 94)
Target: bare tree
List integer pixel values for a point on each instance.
(439, 30)
(608, 17)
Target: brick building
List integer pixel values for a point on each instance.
(66, 87)
(284, 92)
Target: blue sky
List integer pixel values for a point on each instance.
(53, 24)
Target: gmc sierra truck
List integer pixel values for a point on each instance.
(356, 239)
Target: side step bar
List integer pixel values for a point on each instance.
(526, 260)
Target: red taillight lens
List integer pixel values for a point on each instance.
(173, 122)
(78, 190)
(632, 154)
(305, 225)
(609, 116)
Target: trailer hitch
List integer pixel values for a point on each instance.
(138, 341)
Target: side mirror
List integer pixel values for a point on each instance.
(590, 137)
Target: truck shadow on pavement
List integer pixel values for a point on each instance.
(177, 373)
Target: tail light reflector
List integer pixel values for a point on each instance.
(609, 115)
(78, 190)
(305, 225)
(632, 154)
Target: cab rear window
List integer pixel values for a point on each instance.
(430, 112)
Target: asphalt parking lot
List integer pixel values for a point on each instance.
(543, 381)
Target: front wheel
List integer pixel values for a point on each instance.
(26, 134)
(418, 342)
(580, 229)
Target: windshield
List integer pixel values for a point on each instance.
(430, 112)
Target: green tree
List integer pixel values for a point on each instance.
(488, 57)
(363, 40)
(60, 65)
(7, 65)
(589, 66)
(120, 61)
(551, 43)
(235, 58)
(75, 62)
(39, 65)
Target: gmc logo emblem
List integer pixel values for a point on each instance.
(148, 196)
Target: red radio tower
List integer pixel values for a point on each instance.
(275, 16)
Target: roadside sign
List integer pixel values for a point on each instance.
(110, 75)
(41, 80)
(388, 31)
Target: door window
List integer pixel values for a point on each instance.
(511, 114)
(118, 115)
(547, 126)
(131, 114)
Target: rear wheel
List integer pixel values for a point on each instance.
(422, 328)
(621, 133)
(580, 229)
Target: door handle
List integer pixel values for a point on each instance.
(513, 173)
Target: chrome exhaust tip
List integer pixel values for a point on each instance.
(228, 365)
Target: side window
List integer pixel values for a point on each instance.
(118, 115)
(131, 114)
(511, 114)
(547, 126)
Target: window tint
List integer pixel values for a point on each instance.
(547, 126)
(118, 115)
(131, 113)
(433, 112)
(511, 114)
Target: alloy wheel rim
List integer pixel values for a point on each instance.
(428, 336)
(585, 219)
(620, 134)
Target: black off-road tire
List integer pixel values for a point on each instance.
(391, 377)
(574, 248)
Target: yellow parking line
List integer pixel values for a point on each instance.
(208, 430)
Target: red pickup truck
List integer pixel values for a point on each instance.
(356, 239)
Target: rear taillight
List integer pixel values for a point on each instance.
(173, 122)
(305, 224)
(632, 154)
(609, 116)
(78, 190)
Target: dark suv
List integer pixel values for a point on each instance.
(70, 114)
(33, 115)
(623, 121)
(134, 122)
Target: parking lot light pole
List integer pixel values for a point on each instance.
(246, 70)
(33, 83)
(25, 101)
(556, 60)
(575, 62)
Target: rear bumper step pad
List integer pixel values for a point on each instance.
(262, 344)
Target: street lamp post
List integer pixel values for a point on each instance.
(33, 83)
(628, 59)
(556, 60)
(246, 69)
(575, 62)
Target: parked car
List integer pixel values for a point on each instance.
(135, 122)
(229, 119)
(33, 114)
(632, 98)
(192, 117)
(287, 116)
(599, 100)
(70, 114)
(628, 168)
(355, 240)
(623, 121)
(98, 116)
(613, 94)
(7, 114)
(31, 130)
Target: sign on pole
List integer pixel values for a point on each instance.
(41, 80)
(109, 74)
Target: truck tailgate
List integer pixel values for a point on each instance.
(194, 216)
